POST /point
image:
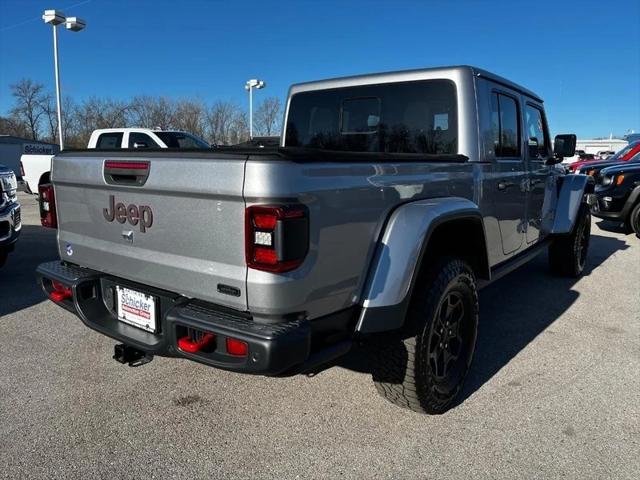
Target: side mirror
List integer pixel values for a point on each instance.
(564, 146)
(140, 145)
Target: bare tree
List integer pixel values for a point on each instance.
(220, 120)
(190, 117)
(267, 117)
(71, 126)
(240, 128)
(28, 108)
(97, 113)
(12, 126)
(223, 122)
(50, 113)
(151, 112)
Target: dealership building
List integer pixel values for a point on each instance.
(12, 148)
(601, 145)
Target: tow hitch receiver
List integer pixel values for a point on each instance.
(131, 356)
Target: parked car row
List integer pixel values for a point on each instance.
(10, 221)
(623, 155)
(617, 190)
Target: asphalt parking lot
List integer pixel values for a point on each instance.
(554, 392)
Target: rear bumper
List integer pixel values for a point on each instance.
(273, 349)
(10, 224)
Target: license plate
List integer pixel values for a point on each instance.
(137, 309)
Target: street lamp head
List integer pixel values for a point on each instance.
(53, 17)
(254, 83)
(75, 24)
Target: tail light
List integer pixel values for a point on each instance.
(276, 237)
(47, 201)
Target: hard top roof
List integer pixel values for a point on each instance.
(384, 77)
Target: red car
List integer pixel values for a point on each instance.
(627, 153)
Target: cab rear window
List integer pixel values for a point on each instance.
(404, 117)
(109, 141)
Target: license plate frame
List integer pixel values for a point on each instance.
(136, 308)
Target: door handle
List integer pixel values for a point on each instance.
(503, 185)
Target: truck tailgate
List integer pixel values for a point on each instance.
(181, 230)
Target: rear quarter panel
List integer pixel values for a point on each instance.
(349, 204)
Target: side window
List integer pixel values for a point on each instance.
(141, 139)
(505, 126)
(537, 136)
(109, 141)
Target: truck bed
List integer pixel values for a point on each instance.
(195, 246)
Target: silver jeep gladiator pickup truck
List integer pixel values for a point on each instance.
(391, 200)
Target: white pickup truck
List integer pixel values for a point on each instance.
(36, 169)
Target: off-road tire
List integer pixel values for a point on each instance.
(568, 253)
(405, 370)
(634, 220)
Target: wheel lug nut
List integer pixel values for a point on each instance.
(446, 345)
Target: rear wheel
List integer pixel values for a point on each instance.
(634, 220)
(568, 253)
(423, 366)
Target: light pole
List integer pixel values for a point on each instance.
(75, 24)
(249, 86)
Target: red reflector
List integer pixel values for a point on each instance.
(237, 347)
(126, 165)
(267, 256)
(58, 296)
(60, 292)
(188, 345)
(265, 221)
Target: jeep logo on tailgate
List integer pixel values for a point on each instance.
(134, 214)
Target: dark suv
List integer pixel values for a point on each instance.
(618, 195)
(9, 212)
